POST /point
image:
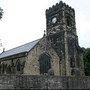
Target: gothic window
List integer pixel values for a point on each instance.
(45, 64)
(18, 65)
(8, 70)
(12, 63)
(3, 68)
(22, 66)
(12, 67)
(0, 67)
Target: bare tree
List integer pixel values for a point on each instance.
(1, 13)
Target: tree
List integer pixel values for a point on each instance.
(1, 13)
(87, 61)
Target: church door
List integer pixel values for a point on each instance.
(45, 64)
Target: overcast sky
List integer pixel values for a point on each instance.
(24, 21)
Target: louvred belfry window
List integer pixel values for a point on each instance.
(68, 21)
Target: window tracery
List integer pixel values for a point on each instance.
(45, 63)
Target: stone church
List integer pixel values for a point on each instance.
(56, 53)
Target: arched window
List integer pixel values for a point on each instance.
(0, 68)
(18, 65)
(12, 63)
(9, 70)
(22, 67)
(3, 68)
(45, 63)
(12, 67)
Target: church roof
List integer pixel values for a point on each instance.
(23, 48)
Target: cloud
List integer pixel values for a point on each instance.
(24, 20)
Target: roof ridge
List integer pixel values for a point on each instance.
(20, 46)
(20, 49)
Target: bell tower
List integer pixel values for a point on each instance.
(61, 34)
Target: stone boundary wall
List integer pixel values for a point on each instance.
(43, 82)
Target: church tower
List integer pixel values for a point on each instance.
(62, 36)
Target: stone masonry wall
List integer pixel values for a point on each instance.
(43, 82)
(10, 66)
(32, 66)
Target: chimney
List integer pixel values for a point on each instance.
(3, 49)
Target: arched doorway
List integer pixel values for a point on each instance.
(45, 64)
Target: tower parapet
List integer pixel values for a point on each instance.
(59, 6)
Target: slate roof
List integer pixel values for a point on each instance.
(23, 48)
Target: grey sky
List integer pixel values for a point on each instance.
(24, 20)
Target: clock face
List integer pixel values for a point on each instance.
(54, 20)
